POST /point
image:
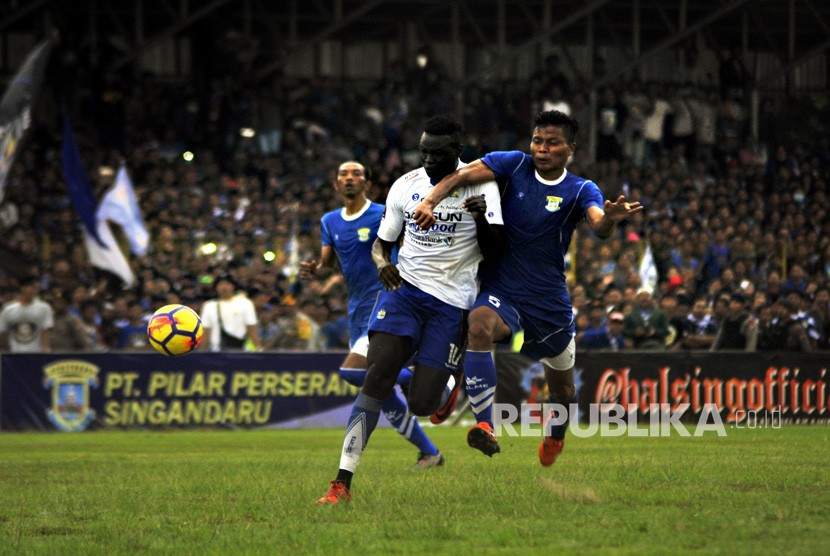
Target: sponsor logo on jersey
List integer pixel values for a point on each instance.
(553, 203)
(494, 301)
(363, 234)
(415, 196)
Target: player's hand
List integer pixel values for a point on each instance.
(475, 205)
(308, 269)
(621, 209)
(390, 277)
(423, 215)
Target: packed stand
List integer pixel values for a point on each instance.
(738, 227)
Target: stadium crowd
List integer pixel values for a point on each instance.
(737, 225)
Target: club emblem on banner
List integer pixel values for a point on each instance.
(69, 381)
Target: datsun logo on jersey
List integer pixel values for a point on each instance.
(70, 381)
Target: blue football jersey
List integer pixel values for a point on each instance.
(539, 220)
(352, 238)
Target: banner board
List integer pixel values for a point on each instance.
(74, 392)
(794, 387)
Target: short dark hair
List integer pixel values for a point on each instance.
(558, 119)
(442, 124)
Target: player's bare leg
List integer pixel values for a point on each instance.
(562, 392)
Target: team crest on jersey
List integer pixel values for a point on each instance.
(381, 314)
(363, 234)
(554, 203)
(455, 194)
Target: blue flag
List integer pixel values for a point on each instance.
(80, 189)
(101, 245)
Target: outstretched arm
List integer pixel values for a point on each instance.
(388, 273)
(602, 220)
(472, 174)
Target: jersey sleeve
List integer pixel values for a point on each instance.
(490, 190)
(591, 196)
(503, 163)
(325, 232)
(392, 221)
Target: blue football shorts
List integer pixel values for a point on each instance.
(438, 330)
(546, 333)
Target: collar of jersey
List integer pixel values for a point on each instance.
(356, 215)
(549, 182)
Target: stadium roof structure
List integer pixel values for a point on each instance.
(792, 29)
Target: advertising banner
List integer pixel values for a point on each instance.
(74, 392)
(789, 387)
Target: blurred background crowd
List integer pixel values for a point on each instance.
(736, 222)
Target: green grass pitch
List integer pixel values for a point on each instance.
(761, 491)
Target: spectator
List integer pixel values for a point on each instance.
(653, 125)
(739, 328)
(645, 325)
(717, 257)
(26, 322)
(784, 333)
(610, 118)
(336, 330)
(637, 105)
(229, 319)
(821, 309)
(608, 336)
(68, 333)
(90, 320)
(132, 333)
(700, 328)
(796, 281)
(807, 318)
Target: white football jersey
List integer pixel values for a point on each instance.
(442, 261)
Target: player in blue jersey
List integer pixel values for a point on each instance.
(423, 310)
(525, 290)
(347, 236)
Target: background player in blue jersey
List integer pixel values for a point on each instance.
(347, 236)
(428, 292)
(541, 204)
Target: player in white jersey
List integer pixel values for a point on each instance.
(347, 235)
(422, 312)
(542, 204)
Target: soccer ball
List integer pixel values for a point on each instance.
(175, 330)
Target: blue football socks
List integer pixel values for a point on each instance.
(480, 377)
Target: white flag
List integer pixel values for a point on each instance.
(110, 257)
(648, 272)
(120, 205)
